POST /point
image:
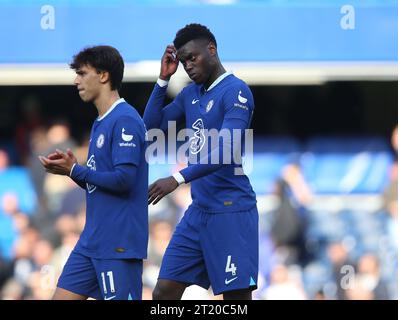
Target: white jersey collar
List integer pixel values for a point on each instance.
(218, 80)
(113, 106)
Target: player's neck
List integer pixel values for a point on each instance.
(218, 71)
(105, 101)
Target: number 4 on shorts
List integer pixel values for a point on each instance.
(230, 267)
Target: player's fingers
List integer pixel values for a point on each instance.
(151, 199)
(52, 155)
(61, 153)
(45, 161)
(70, 153)
(151, 192)
(152, 195)
(153, 188)
(41, 159)
(55, 162)
(170, 57)
(170, 48)
(158, 199)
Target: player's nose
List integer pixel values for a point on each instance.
(188, 66)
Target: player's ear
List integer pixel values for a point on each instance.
(212, 48)
(104, 76)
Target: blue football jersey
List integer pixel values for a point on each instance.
(222, 190)
(117, 223)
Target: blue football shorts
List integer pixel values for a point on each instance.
(214, 249)
(102, 279)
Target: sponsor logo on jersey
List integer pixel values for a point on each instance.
(127, 138)
(198, 140)
(241, 99)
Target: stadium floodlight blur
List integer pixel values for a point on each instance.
(275, 42)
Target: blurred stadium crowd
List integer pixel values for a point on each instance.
(328, 216)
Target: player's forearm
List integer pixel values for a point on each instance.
(212, 162)
(120, 180)
(153, 110)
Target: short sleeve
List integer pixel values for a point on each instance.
(238, 103)
(127, 141)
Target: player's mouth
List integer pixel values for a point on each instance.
(193, 76)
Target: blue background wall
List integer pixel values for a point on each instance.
(246, 30)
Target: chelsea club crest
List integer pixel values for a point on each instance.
(100, 141)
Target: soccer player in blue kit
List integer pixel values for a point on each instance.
(106, 263)
(216, 242)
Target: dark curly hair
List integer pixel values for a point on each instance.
(191, 32)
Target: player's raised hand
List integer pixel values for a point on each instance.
(169, 63)
(161, 188)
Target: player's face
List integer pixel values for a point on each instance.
(197, 59)
(88, 83)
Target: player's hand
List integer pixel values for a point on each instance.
(59, 162)
(161, 188)
(169, 63)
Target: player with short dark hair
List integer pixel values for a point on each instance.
(216, 242)
(106, 263)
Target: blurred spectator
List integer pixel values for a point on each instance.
(394, 140)
(23, 250)
(284, 285)
(30, 120)
(289, 227)
(320, 295)
(4, 160)
(40, 286)
(12, 222)
(73, 199)
(338, 256)
(160, 231)
(61, 253)
(368, 283)
(182, 200)
(55, 186)
(39, 144)
(390, 198)
(42, 254)
(390, 195)
(12, 290)
(14, 179)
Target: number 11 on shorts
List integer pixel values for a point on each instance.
(111, 282)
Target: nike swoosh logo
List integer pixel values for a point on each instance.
(109, 298)
(230, 280)
(194, 101)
